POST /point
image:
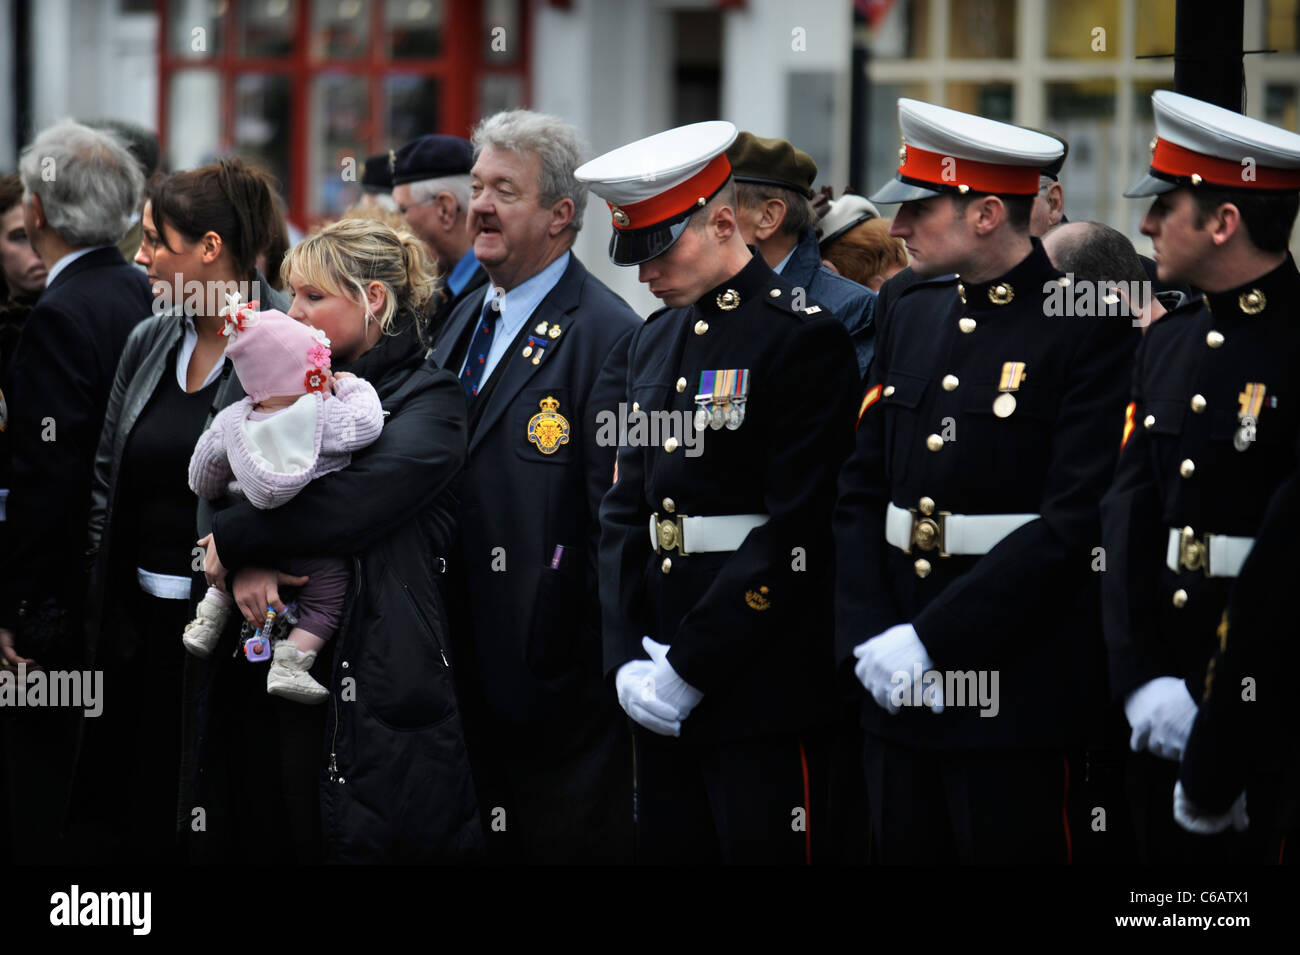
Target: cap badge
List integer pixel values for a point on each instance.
(1196, 179)
(1001, 294)
(620, 217)
(1252, 302)
(548, 429)
(728, 300)
(758, 600)
(902, 153)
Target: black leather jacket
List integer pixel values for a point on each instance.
(143, 363)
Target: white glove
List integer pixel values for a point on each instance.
(636, 695)
(1194, 819)
(886, 667)
(668, 686)
(1161, 713)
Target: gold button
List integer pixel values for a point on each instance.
(927, 506)
(950, 382)
(1198, 403)
(636, 406)
(681, 385)
(1148, 421)
(889, 390)
(934, 442)
(670, 445)
(667, 565)
(669, 506)
(1187, 468)
(922, 567)
(775, 293)
(1180, 598)
(967, 325)
(701, 327)
(1214, 339)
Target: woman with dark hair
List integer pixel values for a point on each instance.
(381, 773)
(201, 231)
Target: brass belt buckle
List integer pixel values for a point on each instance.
(927, 532)
(1193, 551)
(668, 534)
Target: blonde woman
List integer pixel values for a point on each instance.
(380, 774)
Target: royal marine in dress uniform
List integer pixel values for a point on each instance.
(967, 516)
(1210, 434)
(715, 537)
(1247, 717)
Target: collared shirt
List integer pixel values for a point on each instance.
(68, 259)
(517, 307)
(186, 351)
(462, 273)
(780, 266)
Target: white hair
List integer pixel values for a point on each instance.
(89, 183)
(557, 145)
(457, 185)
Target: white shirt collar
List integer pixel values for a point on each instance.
(186, 352)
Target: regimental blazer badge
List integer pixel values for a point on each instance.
(548, 429)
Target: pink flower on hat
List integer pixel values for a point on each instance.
(319, 356)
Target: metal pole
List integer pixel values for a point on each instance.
(1208, 51)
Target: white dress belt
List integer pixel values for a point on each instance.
(1217, 555)
(704, 535)
(963, 535)
(164, 586)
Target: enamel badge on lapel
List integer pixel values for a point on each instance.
(1013, 373)
(721, 399)
(548, 429)
(535, 349)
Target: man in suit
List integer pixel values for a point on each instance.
(81, 187)
(430, 181)
(541, 353)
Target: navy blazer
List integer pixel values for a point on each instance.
(523, 582)
(59, 384)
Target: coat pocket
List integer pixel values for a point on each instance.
(403, 675)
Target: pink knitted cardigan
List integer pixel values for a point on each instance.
(349, 421)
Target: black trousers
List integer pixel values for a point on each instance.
(931, 807)
(560, 798)
(124, 808)
(742, 802)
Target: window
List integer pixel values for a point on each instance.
(308, 88)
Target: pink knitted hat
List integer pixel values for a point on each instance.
(275, 355)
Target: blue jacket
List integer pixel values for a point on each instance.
(853, 304)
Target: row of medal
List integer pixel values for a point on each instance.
(720, 400)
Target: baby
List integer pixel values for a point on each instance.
(288, 431)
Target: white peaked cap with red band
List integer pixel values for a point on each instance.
(652, 186)
(948, 151)
(1198, 143)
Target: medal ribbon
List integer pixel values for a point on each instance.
(1252, 400)
(1013, 372)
